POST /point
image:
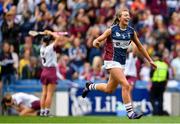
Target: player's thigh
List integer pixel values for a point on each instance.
(44, 90)
(118, 75)
(112, 83)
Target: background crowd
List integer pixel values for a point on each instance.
(156, 21)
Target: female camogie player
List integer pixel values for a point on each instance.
(118, 38)
(50, 43)
(24, 104)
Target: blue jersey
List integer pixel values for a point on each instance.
(117, 44)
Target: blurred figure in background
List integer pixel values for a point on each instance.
(97, 73)
(10, 29)
(77, 54)
(16, 60)
(7, 66)
(25, 60)
(159, 78)
(175, 63)
(130, 69)
(31, 70)
(24, 104)
(86, 73)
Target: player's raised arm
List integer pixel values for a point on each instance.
(58, 36)
(142, 50)
(97, 41)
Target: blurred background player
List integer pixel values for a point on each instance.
(50, 43)
(119, 36)
(25, 104)
(130, 67)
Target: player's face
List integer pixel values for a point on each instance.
(125, 17)
(9, 103)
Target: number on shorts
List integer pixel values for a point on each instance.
(43, 60)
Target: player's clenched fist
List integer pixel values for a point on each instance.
(96, 43)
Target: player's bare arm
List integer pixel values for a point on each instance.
(142, 50)
(97, 41)
(58, 37)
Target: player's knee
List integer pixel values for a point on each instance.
(126, 87)
(44, 94)
(109, 91)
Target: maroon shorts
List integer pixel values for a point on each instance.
(48, 76)
(131, 79)
(36, 105)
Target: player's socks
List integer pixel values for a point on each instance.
(46, 113)
(42, 111)
(92, 86)
(129, 109)
(86, 90)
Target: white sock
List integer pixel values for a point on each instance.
(92, 86)
(129, 109)
(42, 112)
(46, 111)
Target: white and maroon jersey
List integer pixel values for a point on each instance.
(48, 56)
(24, 99)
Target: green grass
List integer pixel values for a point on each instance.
(87, 119)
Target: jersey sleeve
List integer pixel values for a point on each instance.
(18, 99)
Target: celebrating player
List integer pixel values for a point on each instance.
(50, 43)
(24, 104)
(118, 38)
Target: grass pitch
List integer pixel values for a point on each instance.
(87, 119)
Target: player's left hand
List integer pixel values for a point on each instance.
(153, 64)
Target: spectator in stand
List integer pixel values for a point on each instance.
(106, 11)
(25, 6)
(62, 66)
(66, 69)
(75, 6)
(137, 6)
(27, 24)
(92, 33)
(175, 63)
(43, 17)
(157, 7)
(142, 26)
(80, 23)
(77, 54)
(25, 60)
(174, 28)
(97, 72)
(7, 68)
(86, 73)
(160, 29)
(32, 70)
(10, 29)
(28, 45)
(60, 23)
(62, 11)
